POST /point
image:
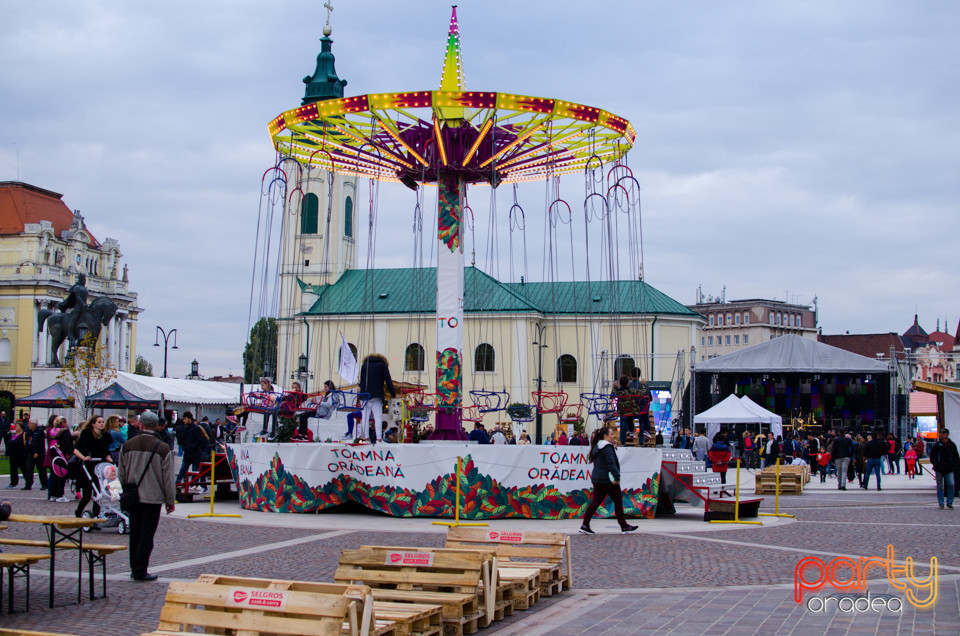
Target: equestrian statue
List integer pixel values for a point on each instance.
(76, 320)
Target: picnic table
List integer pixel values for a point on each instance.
(66, 532)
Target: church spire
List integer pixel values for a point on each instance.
(452, 77)
(324, 83)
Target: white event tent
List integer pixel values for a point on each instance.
(181, 394)
(775, 421)
(734, 410)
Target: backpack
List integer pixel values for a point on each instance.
(58, 463)
(748, 443)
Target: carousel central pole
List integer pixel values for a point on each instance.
(449, 257)
(449, 310)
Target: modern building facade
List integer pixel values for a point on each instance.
(43, 248)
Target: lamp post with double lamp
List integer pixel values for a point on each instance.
(166, 339)
(302, 373)
(538, 343)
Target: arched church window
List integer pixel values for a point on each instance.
(348, 217)
(413, 360)
(623, 365)
(566, 368)
(310, 215)
(484, 359)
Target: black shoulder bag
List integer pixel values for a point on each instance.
(130, 497)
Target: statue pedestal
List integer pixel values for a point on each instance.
(449, 426)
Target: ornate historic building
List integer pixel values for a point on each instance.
(43, 248)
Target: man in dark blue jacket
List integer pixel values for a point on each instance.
(478, 434)
(193, 440)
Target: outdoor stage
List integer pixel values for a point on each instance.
(419, 480)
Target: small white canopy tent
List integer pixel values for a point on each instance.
(730, 411)
(775, 421)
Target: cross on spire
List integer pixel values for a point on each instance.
(329, 7)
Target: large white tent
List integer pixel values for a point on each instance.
(179, 391)
(729, 411)
(207, 398)
(792, 354)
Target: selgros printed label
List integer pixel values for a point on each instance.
(254, 598)
(505, 537)
(410, 558)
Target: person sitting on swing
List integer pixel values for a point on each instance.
(626, 407)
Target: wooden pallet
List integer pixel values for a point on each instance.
(454, 579)
(525, 583)
(362, 619)
(252, 611)
(549, 551)
(789, 484)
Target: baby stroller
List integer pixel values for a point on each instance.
(106, 492)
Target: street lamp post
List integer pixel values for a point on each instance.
(302, 373)
(538, 343)
(166, 338)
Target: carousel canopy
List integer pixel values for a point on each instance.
(117, 397)
(52, 397)
(792, 354)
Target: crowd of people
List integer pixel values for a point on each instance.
(54, 454)
(850, 457)
(133, 456)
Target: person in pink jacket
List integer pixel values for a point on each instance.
(910, 458)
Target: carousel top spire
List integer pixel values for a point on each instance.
(324, 83)
(452, 77)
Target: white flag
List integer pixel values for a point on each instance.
(348, 370)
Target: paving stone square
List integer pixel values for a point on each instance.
(675, 576)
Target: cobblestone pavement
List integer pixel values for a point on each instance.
(691, 578)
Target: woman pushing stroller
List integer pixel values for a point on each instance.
(92, 447)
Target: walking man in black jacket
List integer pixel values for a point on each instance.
(842, 452)
(945, 460)
(874, 451)
(147, 462)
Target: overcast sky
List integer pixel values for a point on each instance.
(785, 149)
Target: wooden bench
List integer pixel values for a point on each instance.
(93, 552)
(24, 632)
(454, 579)
(17, 564)
(250, 611)
(518, 550)
(496, 595)
(377, 618)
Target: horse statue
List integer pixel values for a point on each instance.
(97, 315)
